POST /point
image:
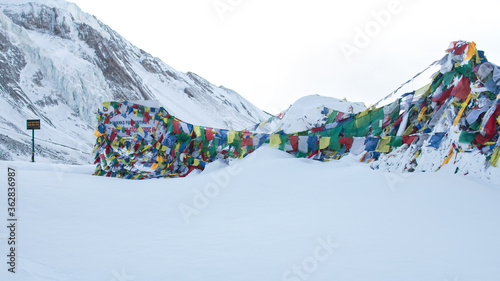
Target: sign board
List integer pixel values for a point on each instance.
(33, 124)
(127, 123)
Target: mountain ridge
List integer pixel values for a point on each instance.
(59, 64)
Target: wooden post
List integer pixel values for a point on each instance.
(33, 145)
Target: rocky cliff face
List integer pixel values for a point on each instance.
(58, 64)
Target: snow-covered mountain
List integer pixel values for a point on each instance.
(308, 112)
(58, 63)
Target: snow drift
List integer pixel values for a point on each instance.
(260, 218)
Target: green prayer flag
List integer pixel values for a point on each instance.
(466, 137)
(396, 141)
(448, 77)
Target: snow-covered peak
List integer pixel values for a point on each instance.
(58, 64)
(52, 3)
(59, 4)
(314, 101)
(57, 10)
(309, 112)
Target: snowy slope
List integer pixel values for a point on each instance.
(267, 217)
(58, 64)
(308, 112)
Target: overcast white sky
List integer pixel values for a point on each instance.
(276, 51)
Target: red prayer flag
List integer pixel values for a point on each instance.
(113, 135)
(146, 117)
(294, 141)
(177, 129)
(458, 50)
(490, 128)
(347, 141)
(339, 116)
(387, 121)
(497, 109)
(409, 139)
(209, 134)
(317, 129)
(462, 90)
(398, 121)
(246, 141)
(444, 95)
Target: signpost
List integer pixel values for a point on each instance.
(33, 124)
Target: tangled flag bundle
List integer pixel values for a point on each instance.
(138, 141)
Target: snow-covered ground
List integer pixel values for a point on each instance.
(267, 217)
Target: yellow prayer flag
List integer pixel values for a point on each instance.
(450, 154)
(263, 123)
(97, 133)
(154, 166)
(366, 111)
(383, 145)
(495, 156)
(478, 59)
(461, 111)
(435, 75)
(197, 131)
(471, 51)
(243, 152)
(275, 140)
(408, 130)
(106, 104)
(230, 136)
(425, 90)
(159, 159)
(422, 113)
(196, 162)
(447, 158)
(324, 142)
